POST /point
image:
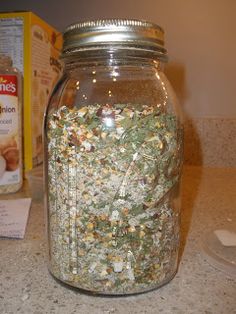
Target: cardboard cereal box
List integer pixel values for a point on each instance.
(34, 47)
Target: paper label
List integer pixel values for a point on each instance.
(9, 131)
(12, 40)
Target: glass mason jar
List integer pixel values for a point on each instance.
(113, 145)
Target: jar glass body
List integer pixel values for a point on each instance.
(113, 145)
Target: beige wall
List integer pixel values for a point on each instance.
(200, 37)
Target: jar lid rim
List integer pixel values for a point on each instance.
(113, 22)
(130, 32)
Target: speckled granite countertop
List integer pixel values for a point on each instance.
(209, 200)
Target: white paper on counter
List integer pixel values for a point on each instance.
(13, 217)
(226, 237)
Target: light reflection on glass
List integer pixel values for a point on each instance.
(164, 88)
(114, 73)
(109, 122)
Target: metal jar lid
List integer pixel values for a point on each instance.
(117, 33)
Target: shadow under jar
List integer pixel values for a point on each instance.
(113, 145)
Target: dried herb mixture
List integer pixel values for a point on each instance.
(113, 174)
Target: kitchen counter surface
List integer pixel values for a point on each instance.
(208, 202)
